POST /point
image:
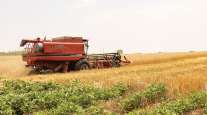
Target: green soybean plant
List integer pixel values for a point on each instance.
(19, 97)
(149, 95)
(205, 108)
(182, 105)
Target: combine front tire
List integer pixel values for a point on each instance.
(82, 65)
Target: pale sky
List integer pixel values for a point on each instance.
(131, 25)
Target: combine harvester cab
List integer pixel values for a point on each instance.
(64, 54)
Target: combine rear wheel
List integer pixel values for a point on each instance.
(82, 65)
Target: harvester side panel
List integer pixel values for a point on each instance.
(56, 58)
(68, 39)
(63, 48)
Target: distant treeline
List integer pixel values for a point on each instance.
(11, 53)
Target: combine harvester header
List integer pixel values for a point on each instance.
(64, 54)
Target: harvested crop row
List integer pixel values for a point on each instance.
(24, 98)
(149, 95)
(179, 106)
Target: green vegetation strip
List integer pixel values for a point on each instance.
(18, 97)
(179, 106)
(149, 95)
(205, 108)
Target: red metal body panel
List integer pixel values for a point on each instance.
(63, 48)
(33, 59)
(55, 58)
(68, 39)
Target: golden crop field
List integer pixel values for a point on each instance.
(181, 73)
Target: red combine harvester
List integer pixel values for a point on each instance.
(64, 54)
